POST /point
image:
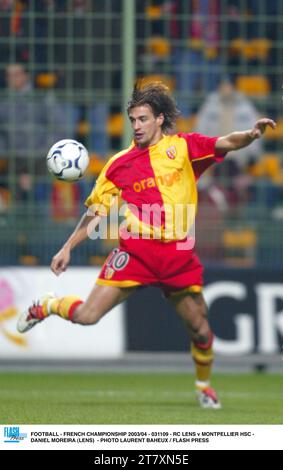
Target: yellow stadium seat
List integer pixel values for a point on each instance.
(115, 125)
(240, 247)
(192, 122)
(269, 166)
(277, 133)
(254, 49)
(46, 80)
(96, 260)
(237, 46)
(260, 47)
(258, 169)
(29, 260)
(83, 128)
(159, 46)
(153, 12)
(254, 85)
(168, 81)
(186, 124)
(248, 50)
(244, 238)
(182, 124)
(95, 165)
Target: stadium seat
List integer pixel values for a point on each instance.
(254, 85)
(115, 125)
(46, 80)
(237, 46)
(254, 49)
(83, 128)
(240, 247)
(260, 47)
(158, 46)
(269, 166)
(186, 124)
(168, 81)
(29, 260)
(95, 165)
(153, 12)
(248, 51)
(275, 134)
(182, 124)
(96, 260)
(192, 122)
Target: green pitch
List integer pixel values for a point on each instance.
(127, 398)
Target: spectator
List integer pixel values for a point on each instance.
(224, 108)
(195, 29)
(29, 123)
(12, 26)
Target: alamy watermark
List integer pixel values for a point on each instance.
(169, 222)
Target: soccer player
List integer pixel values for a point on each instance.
(159, 169)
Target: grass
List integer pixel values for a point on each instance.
(127, 398)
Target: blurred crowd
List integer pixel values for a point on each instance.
(60, 77)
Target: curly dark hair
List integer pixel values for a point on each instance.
(157, 96)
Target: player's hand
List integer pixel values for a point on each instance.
(60, 261)
(260, 126)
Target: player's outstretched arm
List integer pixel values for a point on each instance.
(61, 260)
(238, 140)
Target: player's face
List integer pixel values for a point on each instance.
(146, 126)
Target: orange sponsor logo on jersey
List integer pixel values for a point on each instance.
(168, 179)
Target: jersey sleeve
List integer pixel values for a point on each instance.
(103, 194)
(201, 152)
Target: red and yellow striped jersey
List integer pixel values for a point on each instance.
(157, 182)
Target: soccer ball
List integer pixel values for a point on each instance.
(67, 160)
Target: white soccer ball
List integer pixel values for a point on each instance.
(67, 160)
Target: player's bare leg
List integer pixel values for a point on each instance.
(99, 302)
(193, 311)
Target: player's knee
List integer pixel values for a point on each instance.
(199, 326)
(85, 315)
(204, 337)
(200, 330)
